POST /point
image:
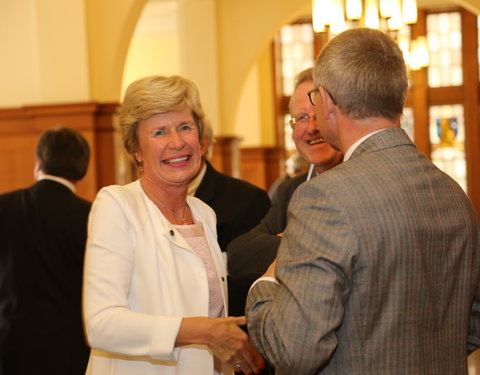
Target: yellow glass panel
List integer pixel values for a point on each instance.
(296, 44)
(444, 37)
(286, 34)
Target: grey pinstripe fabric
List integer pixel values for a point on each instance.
(378, 269)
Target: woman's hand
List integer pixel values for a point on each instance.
(225, 339)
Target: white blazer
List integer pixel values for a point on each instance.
(141, 278)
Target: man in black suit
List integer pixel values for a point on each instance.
(6, 300)
(250, 254)
(239, 207)
(43, 231)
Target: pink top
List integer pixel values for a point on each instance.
(196, 238)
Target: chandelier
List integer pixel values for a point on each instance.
(391, 16)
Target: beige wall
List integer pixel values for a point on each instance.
(18, 62)
(155, 45)
(184, 41)
(266, 98)
(244, 37)
(247, 115)
(62, 51)
(110, 25)
(43, 52)
(254, 118)
(199, 55)
(164, 61)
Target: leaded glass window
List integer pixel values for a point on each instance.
(444, 38)
(296, 44)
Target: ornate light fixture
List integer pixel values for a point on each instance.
(391, 16)
(377, 14)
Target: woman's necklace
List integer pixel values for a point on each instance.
(183, 220)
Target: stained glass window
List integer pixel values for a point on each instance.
(444, 38)
(447, 138)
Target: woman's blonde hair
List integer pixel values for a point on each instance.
(153, 95)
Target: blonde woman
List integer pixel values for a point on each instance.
(155, 283)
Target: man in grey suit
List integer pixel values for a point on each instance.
(378, 269)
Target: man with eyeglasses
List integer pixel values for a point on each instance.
(378, 270)
(250, 254)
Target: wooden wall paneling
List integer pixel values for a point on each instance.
(17, 145)
(20, 129)
(259, 165)
(17, 153)
(445, 95)
(471, 88)
(78, 116)
(113, 165)
(274, 162)
(225, 155)
(14, 121)
(281, 107)
(319, 41)
(420, 111)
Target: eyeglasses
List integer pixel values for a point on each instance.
(311, 92)
(300, 119)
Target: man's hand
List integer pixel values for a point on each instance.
(270, 272)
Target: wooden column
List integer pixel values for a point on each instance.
(471, 89)
(225, 157)
(260, 165)
(418, 95)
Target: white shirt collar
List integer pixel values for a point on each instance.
(60, 180)
(354, 146)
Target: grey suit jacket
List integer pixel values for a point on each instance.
(378, 270)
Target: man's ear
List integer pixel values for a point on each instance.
(37, 169)
(326, 101)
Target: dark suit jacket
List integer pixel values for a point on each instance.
(44, 230)
(250, 254)
(378, 270)
(239, 206)
(6, 296)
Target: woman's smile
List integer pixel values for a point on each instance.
(169, 147)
